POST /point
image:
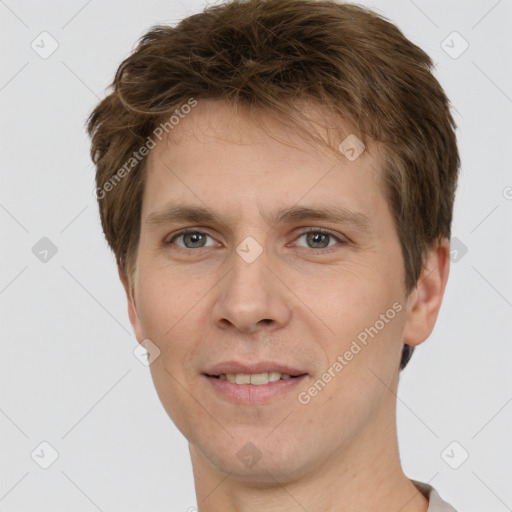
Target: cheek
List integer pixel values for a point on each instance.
(168, 316)
(164, 299)
(154, 306)
(347, 298)
(170, 309)
(364, 312)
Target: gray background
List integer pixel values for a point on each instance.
(68, 373)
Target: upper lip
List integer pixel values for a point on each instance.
(252, 368)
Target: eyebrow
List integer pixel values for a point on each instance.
(199, 214)
(338, 214)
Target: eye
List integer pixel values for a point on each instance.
(316, 238)
(191, 239)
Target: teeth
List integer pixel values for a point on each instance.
(273, 376)
(255, 378)
(241, 378)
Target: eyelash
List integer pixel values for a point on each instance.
(323, 231)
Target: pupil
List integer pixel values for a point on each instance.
(194, 238)
(315, 238)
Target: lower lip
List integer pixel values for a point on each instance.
(251, 393)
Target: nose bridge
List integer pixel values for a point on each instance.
(248, 283)
(249, 293)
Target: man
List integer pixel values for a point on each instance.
(276, 179)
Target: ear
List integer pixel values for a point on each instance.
(132, 307)
(425, 300)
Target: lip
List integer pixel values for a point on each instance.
(251, 394)
(254, 367)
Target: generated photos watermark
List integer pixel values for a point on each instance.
(304, 397)
(142, 152)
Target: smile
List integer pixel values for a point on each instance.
(255, 388)
(256, 379)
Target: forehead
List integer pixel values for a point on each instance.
(237, 160)
(213, 119)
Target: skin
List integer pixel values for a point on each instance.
(294, 304)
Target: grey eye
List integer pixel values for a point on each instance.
(192, 240)
(317, 240)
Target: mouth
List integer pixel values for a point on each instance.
(255, 383)
(255, 379)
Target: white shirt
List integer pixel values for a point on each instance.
(436, 504)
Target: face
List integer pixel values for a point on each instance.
(290, 264)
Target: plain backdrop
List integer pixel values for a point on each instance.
(69, 377)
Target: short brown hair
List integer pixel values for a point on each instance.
(268, 54)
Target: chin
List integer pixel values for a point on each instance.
(259, 461)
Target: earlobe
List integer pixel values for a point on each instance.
(132, 306)
(425, 300)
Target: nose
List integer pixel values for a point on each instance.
(251, 297)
